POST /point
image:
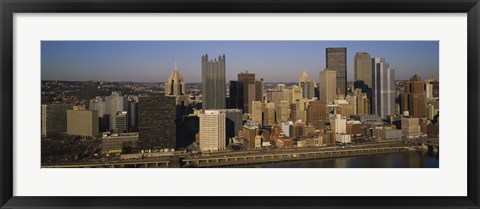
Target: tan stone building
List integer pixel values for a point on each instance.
(82, 123)
(363, 68)
(328, 85)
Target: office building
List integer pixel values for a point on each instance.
(339, 124)
(383, 94)
(213, 83)
(249, 132)
(212, 130)
(410, 127)
(234, 122)
(317, 113)
(54, 118)
(282, 113)
(121, 122)
(259, 90)
(363, 68)
(246, 78)
(257, 111)
(362, 103)
(308, 85)
(133, 116)
(156, 124)
(413, 99)
(275, 95)
(294, 94)
(113, 104)
(115, 143)
(82, 123)
(337, 61)
(328, 86)
(236, 95)
(176, 87)
(268, 109)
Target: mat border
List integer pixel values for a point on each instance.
(9, 7)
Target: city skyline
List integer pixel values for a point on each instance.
(137, 61)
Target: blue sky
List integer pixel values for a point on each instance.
(275, 61)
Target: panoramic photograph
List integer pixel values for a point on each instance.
(240, 104)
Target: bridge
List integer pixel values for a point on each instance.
(160, 163)
(430, 145)
(282, 157)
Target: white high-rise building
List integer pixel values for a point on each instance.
(115, 103)
(212, 130)
(383, 88)
(339, 124)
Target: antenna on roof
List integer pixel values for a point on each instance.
(175, 65)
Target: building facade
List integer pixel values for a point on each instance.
(212, 130)
(246, 78)
(383, 101)
(363, 68)
(54, 118)
(82, 123)
(328, 86)
(213, 83)
(156, 124)
(235, 95)
(337, 61)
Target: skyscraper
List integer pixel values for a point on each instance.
(268, 110)
(121, 122)
(156, 124)
(383, 88)
(246, 78)
(337, 61)
(213, 83)
(259, 90)
(176, 87)
(413, 100)
(328, 85)
(212, 130)
(281, 111)
(236, 95)
(113, 104)
(294, 93)
(308, 85)
(363, 68)
(317, 113)
(99, 104)
(233, 122)
(257, 111)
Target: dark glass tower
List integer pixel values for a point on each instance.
(236, 95)
(156, 123)
(213, 83)
(337, 61)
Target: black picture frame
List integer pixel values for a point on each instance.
(9, 7)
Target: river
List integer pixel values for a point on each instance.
(389, 160)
